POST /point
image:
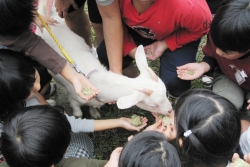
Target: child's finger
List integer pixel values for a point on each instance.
(247, 158)
(130, 137)
(155, 115)
(144, 119)
(142, 126)
(235, 156)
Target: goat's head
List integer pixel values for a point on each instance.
(151, 96)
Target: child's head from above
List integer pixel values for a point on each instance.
(18, 78)
(149, 149)
(213, 124)
(35, 136)
(230, 28)
(16, 16)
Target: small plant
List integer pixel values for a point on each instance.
(136, 120)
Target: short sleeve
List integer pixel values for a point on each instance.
(104, 2)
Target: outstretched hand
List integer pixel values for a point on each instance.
(62, 7)
(157, 126)
(155, 50)
(80, 83)
(127, 123)
(190, 71)
(47, 20)
(236, 156)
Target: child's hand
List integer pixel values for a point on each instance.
(170, 132)
(79, 82)
(62, 7)
(236, 156)
(190, 71)
(248, 107)
(48, 21)
(157, 126)
(155, 50)
(114, 158)
(126, 123)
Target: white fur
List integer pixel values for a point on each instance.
(111, 86)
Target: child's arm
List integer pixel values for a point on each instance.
(113, 34)
(119, 123)
(89, 125)
(41, 99)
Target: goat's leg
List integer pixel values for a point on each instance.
(75, 105)
(94, 112)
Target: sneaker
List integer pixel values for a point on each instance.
(207, 81)
(51, 102)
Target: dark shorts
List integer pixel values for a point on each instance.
(79, 3)
(214, 5)
(94, 14)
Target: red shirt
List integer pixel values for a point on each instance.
(229, 67)
(179, 22)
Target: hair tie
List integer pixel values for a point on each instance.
(187, 133)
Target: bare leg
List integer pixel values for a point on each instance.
(79, 23)
(98, 32)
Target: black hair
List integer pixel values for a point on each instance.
(230, 28)
(149, 149)
(214, 124)
(16, 16)
(17, 77)
(36, 136)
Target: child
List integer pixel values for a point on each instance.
(207, 128)
(146, 149)
(15, 19)
(169, 34)
(39, 136)
(227, 50)
(20, 82)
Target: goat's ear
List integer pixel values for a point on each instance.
(141, 60)
(129, 101)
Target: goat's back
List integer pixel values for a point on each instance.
(74, 45)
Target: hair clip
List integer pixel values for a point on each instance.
(187, 133)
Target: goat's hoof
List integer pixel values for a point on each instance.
(95, 114)
(77, 114)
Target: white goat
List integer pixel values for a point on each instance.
(147, 91)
